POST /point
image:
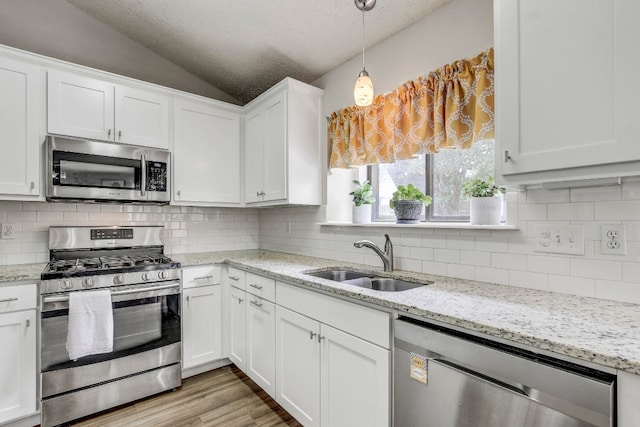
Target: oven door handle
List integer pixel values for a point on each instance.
(143, 184)
(63, 298)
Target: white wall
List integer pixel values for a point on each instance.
(59, 30)
(459, 29)
(187, 229)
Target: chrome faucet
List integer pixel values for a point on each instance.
(386, 256)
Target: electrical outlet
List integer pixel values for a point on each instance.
(613, 239)
(8, 231)
(559, 239)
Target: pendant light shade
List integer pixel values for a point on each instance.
(363, 90)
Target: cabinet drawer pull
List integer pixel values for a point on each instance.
(312, 334)
(33, 185)
(119, 134)
(507, 157)
(320, 338)
(234, 278)
(240, 300)
(257, 304)
(27, 323)
(8, 299)
(109, 132)
(253, 285)
(188, 298)
(203, 278)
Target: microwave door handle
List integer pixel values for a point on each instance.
(143, 162)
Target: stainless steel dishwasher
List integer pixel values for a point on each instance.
(446, 378)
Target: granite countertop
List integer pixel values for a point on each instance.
(599, 331)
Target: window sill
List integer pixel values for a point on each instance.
(441, 225)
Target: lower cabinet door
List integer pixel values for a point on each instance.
(201, 325)
(17, 364)
(237, 327)
(354, 381)
(298, 366)
(261, 343)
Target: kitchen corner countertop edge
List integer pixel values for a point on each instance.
(603, 332)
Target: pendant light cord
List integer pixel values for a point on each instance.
(363, 7)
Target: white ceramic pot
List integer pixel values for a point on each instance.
(361, 214)
(486, 210)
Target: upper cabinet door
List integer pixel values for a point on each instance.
(254, 137)
(275, 148)
(565, 92)
(19, 128)
(80, 106)
(141, 117)
(206, 154)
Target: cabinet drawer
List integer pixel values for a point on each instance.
(363, 322)
(236, 277)
(19, 297)
(261, 286)
(201, 275)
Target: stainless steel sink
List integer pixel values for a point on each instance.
(393, 285)
(340, 275)
(385, 284)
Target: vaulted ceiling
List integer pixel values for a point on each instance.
(243, 47)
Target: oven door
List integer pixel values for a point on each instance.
(146, 318)
(102, 171)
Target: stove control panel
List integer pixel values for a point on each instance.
(111, 233)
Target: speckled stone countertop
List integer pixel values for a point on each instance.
(19, 272)
(599, 331)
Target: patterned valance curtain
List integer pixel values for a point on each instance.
(452, 107)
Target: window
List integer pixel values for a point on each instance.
(440, 175)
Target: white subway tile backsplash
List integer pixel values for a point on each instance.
(596, 194)
(617, 211)
(475, 258)
(541, 195)
(571, 212)
(618, 291)
(572, 285)
(446, 256)
(525, 279)
(461, 271)
(596, 269)
(549, 264)
(460, 242)
(509, 261)
(492, 275)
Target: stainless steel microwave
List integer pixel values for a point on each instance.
(93, 171)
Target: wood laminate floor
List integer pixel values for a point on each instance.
(223, 397)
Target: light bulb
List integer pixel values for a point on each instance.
(363, 90)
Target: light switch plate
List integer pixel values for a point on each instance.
(559, 239)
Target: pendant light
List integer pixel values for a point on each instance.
(363, 90)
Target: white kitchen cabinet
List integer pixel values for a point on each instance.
(628, 395)
(206, 153)
(298, 366)
(282, 148)
(261, 343)
(566, 102)
(201, 316)
(18, 358)
(327, 374)
(19, 129)
(237, 327)
(89, 108)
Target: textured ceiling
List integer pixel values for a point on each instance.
(243, 47)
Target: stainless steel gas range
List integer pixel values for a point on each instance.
(144, 287)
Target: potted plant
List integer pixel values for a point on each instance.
(485, 201)
(362, 200)
(407, 203)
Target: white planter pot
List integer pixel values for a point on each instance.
(486, 210)
(361, 214)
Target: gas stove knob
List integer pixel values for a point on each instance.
(146, 276)
(162, 275)
(66, 284)
(118, 279)
(88, 282)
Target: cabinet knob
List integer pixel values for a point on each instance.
(240, 300)
(260, 193)
(33, 185)
(28, 323)
(178, 193)
(109, 132)
(320, 338)
(188, 298)
(312, 334)
(507, 157)
(119, 134)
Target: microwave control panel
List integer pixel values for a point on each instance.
(156, 176)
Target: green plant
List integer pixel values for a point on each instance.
(363, 194)
(410, 192)
(481, 188)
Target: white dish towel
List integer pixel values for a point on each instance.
(90, 328)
